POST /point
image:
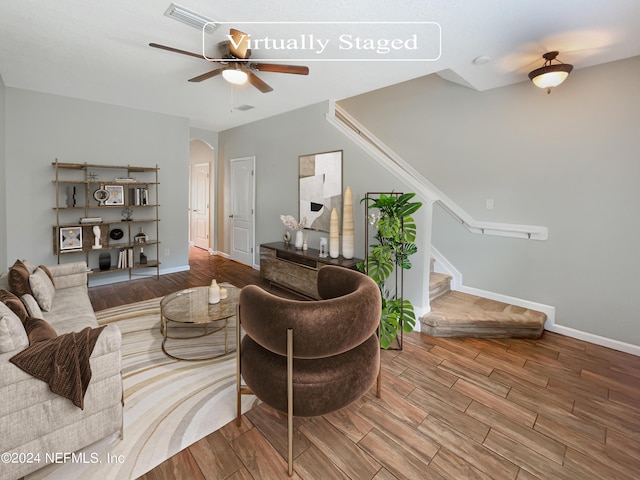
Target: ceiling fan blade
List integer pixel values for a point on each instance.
(258, 83)
(239, 44)
(275, 67)
(204, 76)
(175, 50)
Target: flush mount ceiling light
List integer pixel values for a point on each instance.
(191, 18)
(235, 75)
(550, 75)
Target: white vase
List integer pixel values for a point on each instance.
(334, 235)
(348, 241)
(299, 239)
(214, 292)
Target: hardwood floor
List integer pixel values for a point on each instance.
(553, 408)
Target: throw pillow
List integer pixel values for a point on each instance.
(14, 303)
(48, 272)
(19, 279)
(42, 289)
(38, 330)
(33, 309)
(12, 334)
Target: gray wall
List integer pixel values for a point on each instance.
(3, 179)
(276, 143)
(42, 127)
(568, 160)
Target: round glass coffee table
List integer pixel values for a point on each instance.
(191, 306)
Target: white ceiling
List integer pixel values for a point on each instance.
(98, 50)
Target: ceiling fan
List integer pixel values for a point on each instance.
(236, 68)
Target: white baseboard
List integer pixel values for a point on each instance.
(222, 254)
(181, 268)
(593, 338)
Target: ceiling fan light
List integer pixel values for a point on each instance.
(549, 76)
(235, 76)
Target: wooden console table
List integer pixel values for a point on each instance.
(296, 270)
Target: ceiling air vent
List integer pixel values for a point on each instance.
(191, 18)
(244, 107)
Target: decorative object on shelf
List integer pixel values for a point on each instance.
(320, 187)
(140, 237)
(71, 196)
(291, 223)
(143, 257)
(127, 214)
(334, 236)
(214, 292)
(104, 261)
(116, 234)
(287, 237)
(305, 242)
(70, 238)
(96, 237)
(323, 247)
(223, 293)
(101, 196)
(395, 232)
(92, 176)
(124, 179)
(116, 195)
(348, 240)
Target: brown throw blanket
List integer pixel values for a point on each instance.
(62, 362)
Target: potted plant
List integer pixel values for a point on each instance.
(395, 236)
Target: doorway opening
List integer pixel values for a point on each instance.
(201, 192)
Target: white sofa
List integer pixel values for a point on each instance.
(36, 424)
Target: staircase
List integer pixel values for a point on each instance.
(457, 314)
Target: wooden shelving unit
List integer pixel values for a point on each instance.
(132, 206)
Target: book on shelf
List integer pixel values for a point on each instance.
(125, 179)
(138, 196)
(91, 220)
(125, 258)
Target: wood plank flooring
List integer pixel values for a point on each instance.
(451, 408)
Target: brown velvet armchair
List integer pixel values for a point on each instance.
(310, 358)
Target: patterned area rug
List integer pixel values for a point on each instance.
(169, 404)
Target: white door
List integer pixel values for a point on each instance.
(242, 209)
(200, 205)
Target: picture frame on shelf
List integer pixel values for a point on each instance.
(116, 195)
(70, 238)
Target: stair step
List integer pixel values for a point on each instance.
(439, 285)
(458, 314)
